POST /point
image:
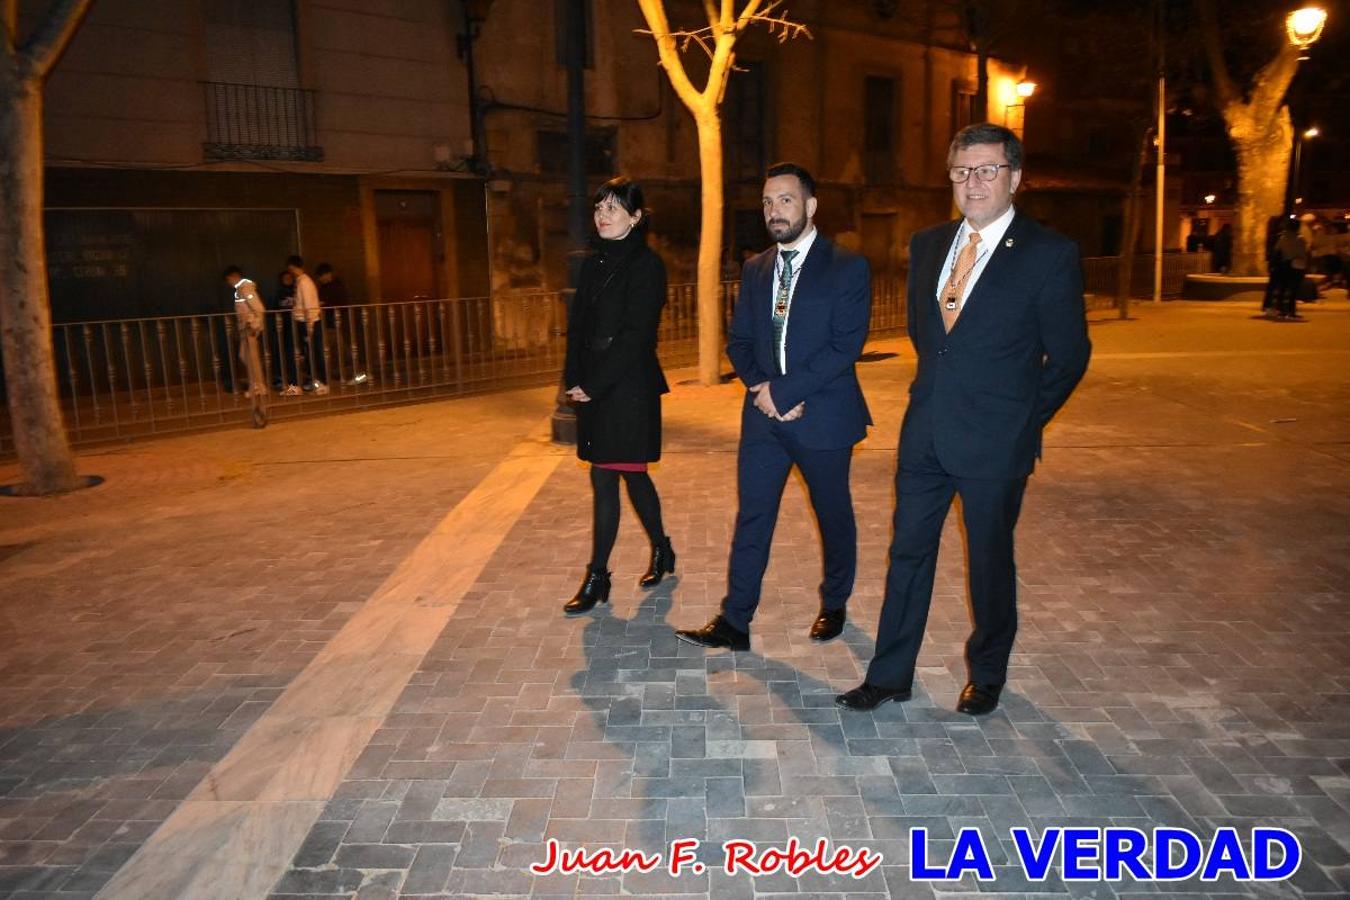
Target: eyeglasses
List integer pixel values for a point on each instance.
(959, 174)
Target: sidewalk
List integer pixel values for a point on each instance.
(327, 658)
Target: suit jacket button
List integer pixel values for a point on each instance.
(942, 352)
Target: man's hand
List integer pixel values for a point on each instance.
(577, 395)
(764, 400)
(793, 414)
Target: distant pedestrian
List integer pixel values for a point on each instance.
(285, 379)
(251, 315)
(1325, 257)
(613, 375)
(309, 321)
(1274, 227)
(1221, 259)
(332, 296)
(1290, 264)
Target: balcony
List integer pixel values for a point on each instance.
(250, 121)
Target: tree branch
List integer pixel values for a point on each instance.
(1218, 69)
(710, 9)
(1272, 82)
(718, 41)
(51, 37)
(654, 12)
(9, 27)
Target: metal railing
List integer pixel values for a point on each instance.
(128, 378)
(250, 121)
(1101, 276)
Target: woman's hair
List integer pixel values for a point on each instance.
(628, 194)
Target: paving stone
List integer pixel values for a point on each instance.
(1183, 574)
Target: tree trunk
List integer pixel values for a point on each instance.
(1263, 151)
(40, 440)
(709, 248)
(1130, 227)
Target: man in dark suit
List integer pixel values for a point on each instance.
(995, 313)
(798, 329)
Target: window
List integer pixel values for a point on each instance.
(743, 122)
(560, 11)
(963, 106)
(879, 129)
(251, 42)
(255, 106)
(601, 153)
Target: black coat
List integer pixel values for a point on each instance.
(611, 352)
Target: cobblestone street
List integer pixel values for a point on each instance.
(327, 659)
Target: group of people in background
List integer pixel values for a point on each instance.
(1298, 247)
(298, 339)
(996, 318)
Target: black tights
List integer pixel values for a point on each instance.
(605, 525)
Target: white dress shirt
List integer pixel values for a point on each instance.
(803, 247)
(990, 237)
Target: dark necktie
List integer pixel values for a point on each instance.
(781, 304)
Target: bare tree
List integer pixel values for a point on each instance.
(1262, 133)
(718, 41)
(25, 311)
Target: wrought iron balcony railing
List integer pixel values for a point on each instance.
(250, 121)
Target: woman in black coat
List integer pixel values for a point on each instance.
(613, 376)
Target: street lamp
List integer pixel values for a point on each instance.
(1304, 27)
(1015, 113)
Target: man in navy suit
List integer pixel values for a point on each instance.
(798, 329)
(995, 314)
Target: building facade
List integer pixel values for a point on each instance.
(182, 136)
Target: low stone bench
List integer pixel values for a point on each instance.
(1217, 286)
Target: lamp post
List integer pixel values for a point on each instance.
(1303, 27)
(475, 14)
(1293, 194)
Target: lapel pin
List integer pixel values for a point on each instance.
(1008, 242)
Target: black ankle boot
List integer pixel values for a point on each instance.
(663, 561)
(595, 589)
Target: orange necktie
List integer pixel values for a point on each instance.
(956, 284)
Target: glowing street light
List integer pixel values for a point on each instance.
(1015, 97)
(1304, 26)
(1210, 198)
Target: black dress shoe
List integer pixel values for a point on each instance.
(595, 589)
(979, 699)
(663, 562)
(717, 634)
(829, 624)
(869, 696)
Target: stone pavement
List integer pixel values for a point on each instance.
(1184, 558)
